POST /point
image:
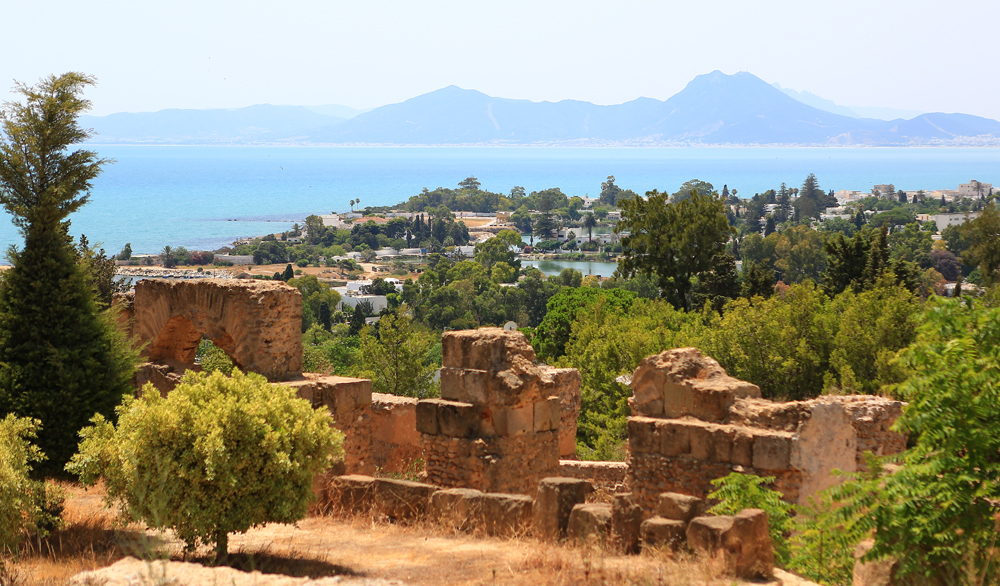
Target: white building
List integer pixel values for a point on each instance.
(334, 221)
(945, 220)
(975, 189)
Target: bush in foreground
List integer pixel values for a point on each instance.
(26, 506)
(218, 455)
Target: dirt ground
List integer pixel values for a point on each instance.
(327, 546)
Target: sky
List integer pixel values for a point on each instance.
(922, 55)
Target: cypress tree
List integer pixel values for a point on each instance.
(324, 316)
(289, 273)
(61, 360)
(357, 321)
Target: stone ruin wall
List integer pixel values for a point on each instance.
(497, 426)
(692, 423)
(257, 323)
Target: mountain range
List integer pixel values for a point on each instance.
(713, 109)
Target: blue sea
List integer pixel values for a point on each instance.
(206, 197)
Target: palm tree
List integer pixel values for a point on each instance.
(589, 221)
(352, 205)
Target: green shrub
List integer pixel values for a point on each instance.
(26, 506)
(938, 514)
(212, 358)
(746, 491)
(218, 455)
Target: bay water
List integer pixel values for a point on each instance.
(204, 197)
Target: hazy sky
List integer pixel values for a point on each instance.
(918, 54)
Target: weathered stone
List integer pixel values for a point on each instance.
(680, 507)
(484, 348)
(742, 451)
(877, 573)
(546, 415)
(660, 533)
(554, 502)
(711, 443)
(590, 522)
(643, 435)
(566, 383)
(256, 323)
(826, 442)
(772, 450)
(520, 419)
(687, 383)
(464, 384)
(339, 394)
(506, 515)
(458, 508)
(401, 499)
(352, 494)
(675, 437)
(395, 443)
(456, 419)
(743, 540)
(626, 520)
(610, 474)
(427, 417)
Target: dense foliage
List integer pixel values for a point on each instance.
(218, 455)
(26, 505)
(739, 491)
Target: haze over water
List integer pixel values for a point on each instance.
(188, 196)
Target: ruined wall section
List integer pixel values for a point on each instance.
(497, 425)
(349, 401)
(692, 423)
(257, 323)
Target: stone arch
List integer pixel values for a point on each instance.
(256, 323)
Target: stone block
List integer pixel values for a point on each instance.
(401, 500)
(743, 540)
(457, 419)
(457, 508)
(680, 507)
(643, 436)
(742, 452)
(352, 494)
(590, 522)
(626, 521)
(506, 515)
(464, 384)
(682, 382)
(876, 573)
(711, 443)
(772, 450)
(660, 533)
(675, 437)
(546, 417)
(343, 394)
(554, 502)
(483, 348)
(427, 417)
(520, 419)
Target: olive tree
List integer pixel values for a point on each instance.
(218, 455)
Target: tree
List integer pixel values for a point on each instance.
(357, 320)
(719, 284)
(394, 359)
(983, 235)
(168, 258)
(218, 455)
(553, 333)
(812, 200)
(289, 273)
(769, 226)
(758, 280)
(126, 252)
(673, 241)
(703, 188)
(500, 248)
(102, 271)
(470, 183)
(800, 254)
(589, 222)
(61, 360)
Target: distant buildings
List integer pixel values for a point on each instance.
(886, 189)
(945, 220)
(975, 189)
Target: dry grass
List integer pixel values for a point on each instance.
(355, 545)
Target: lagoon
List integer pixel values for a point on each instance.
(587, 267)
(207, 196)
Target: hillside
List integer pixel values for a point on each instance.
(713, 109)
